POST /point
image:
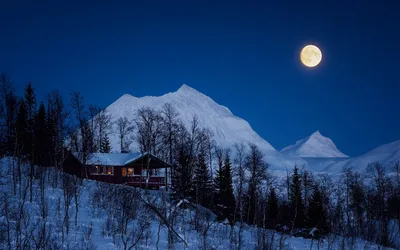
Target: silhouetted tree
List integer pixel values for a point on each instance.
(105, 146)
(30, 104)
(224, 198)
(272, 210)
(257, 169)
(295, 200)
(125, 130)
(8, 110)
(182, 181)
(202, 182)
(21, 126)
(41, 138)
(317, 216)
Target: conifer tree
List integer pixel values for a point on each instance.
(105, 146)
(317, 216)
(202, 182)
(224, 197)
(182, 182)
(41, 138)
(272, 210)
(30, 104)
(21, 126)
(295, 200)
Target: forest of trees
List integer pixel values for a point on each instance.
(235, 184)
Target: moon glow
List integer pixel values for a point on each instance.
(310, 56)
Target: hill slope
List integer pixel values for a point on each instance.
(386, 154)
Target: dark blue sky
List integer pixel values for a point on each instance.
(244, 55)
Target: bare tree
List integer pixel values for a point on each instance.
(103, 121)
(148, 124)
(170, 131)
(381, 191)
(57, 116)
(8, 107)
(125, 130)
(204, 220)
(68, 191)
(77, 190)
(241, 179)
(149, 134)
(132, 218)
(257, 169)
(86, 133)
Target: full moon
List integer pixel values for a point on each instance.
(310, 56)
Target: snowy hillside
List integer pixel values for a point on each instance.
(316, 145)
(386, 154)
(91, 220)
(228, 129)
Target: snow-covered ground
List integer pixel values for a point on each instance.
(88, 233)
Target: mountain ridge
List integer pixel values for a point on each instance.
(229, 129)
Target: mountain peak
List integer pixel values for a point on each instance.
(187, 89)
(316, 134)
(316, 145)
(227, 128)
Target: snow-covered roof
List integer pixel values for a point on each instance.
(109, 159)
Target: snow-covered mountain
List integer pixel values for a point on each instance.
(315, 145)
(228, 129)
(387, 155)
(317, 152)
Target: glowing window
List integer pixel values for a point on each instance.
(130, 171)
(110, 170)
(124, 172)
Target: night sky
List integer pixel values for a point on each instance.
(244, 55)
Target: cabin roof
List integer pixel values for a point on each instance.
(112, 159)
(109, 159)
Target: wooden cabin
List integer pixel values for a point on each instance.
(134, 169)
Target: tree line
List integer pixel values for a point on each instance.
(235, 184)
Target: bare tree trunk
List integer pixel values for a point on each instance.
(158, 234)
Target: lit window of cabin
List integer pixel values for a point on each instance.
(110, 171)
(130, 172)
(124, 172)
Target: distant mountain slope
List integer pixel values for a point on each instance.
(228, 129)
(386, 154)
(316, 145)
(317, 152)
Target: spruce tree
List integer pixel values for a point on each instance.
(21, 127)
(41, 138)
(182, 181)
(105, 146)
(272, 210)
(227, 194)
(30, 104)
(317, 216)
(202, 182)
(295, 200)
(224, 197)
(218, 187)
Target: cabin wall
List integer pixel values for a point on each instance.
(114, 178)
(72, 166)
